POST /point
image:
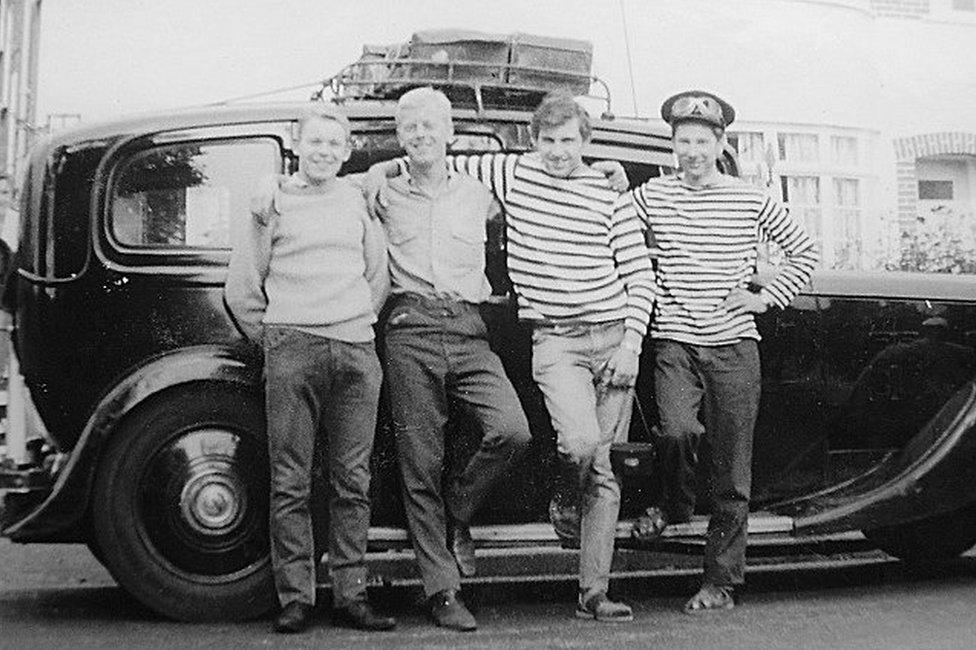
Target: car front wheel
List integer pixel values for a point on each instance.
(180, 507)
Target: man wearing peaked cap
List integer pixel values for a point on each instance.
(697, 106)
(707, 226)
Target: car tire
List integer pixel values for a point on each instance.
(180, 504)
(926, 540)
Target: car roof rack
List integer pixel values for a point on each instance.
(456, 80)
(474, 69)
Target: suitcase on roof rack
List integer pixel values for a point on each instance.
(550, 63)
(472, 68)
(521, 60)
(486, 56)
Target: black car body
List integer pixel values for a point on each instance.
(153, 409)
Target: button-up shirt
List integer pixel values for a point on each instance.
(437, 238)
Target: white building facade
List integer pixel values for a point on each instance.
(864, 182)
(859, 114)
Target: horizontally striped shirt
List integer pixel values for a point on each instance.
(576, 250)
(707, 240)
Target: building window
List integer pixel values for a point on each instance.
(847, 192)
(964, 5)
(844, 150)
(847, 202)
(801, 190)
(750, 145)
(798, 147)
(802, 195)
(935, 190)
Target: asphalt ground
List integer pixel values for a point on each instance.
(59, 596)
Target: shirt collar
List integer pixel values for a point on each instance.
(295, 181)
(405, 183)
(722, 180)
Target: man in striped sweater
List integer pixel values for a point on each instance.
(583, 281)
(579, 267)
(706, 227)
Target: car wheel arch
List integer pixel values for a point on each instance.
(63, 514)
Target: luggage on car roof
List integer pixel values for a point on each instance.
(453, 56)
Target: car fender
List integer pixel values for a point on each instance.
(60, 516)
(933, 474)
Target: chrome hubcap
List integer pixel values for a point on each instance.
(212, 501)
(204, 504)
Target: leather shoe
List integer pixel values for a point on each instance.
(294, 617)
(360, 615)
(462, 548)
(447, 610)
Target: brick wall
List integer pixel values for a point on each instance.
(908, 150)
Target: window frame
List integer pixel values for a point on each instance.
(753, 155)
(164, 260)
(126, 164)
(782, 150)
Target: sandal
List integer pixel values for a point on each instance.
(565, 522)
(650, 525)
(600, 608)
(710, 598)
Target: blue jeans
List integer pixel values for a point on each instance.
(566, 364)
(437, 350)
(712, 391)
(322, 389)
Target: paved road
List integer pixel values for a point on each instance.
(53, 596)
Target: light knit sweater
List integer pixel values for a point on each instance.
(317, 263)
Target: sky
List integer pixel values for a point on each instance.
(801, 62)
(103, 57)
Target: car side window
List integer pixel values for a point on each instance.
(185, 195)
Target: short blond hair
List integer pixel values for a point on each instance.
(424, 97)
(322, 111)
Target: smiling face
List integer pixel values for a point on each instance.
(561, 147)
(322, 148)
(697, 148)
(424, 129)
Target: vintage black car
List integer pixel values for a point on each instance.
(154, 452)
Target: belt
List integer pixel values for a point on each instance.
(434, 303)
(572, 325)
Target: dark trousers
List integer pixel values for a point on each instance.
(319, 388)
(712, 391)
(437, 350)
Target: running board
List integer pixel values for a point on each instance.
(500, 536)
(532, 553)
